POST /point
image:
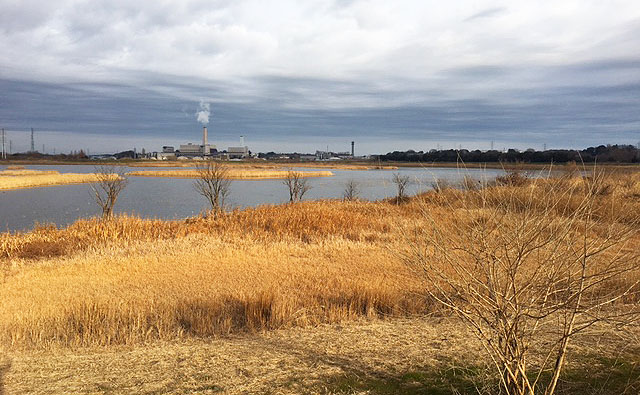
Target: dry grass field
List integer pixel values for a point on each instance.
(319, 285)
(24, 178)
(233, 173)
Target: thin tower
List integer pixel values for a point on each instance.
(33, 145)
(4, 153)
(352, 150)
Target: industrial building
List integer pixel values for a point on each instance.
(203, 151)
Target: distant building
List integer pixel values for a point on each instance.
(238, 152)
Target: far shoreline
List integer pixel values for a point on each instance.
(343, 165)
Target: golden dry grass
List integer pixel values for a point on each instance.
(233, 173)
(321, 360)
(273, 165)
(17, 179)
(129, 280)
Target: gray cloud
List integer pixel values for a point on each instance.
(487, 13)
(291, 73)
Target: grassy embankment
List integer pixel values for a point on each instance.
(233, 173)
(131, 281)
(23, 178)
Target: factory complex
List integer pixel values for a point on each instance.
(202, 151)
(208, 151)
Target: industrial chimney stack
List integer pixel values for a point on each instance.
(206, 148)
(352, 150)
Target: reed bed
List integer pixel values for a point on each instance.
(129, 280)
(233, 173)
(17, 179)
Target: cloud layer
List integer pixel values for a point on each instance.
(393, 75)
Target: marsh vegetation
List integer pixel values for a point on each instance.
(133, 281)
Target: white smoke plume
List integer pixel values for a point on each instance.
(203, 114)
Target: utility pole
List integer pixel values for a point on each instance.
(33, 146)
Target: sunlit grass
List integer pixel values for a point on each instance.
(129, 280)
(24, 178)
(233, 173)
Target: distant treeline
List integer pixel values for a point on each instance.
(602, 153)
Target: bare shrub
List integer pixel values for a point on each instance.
(513, 178)
(214, 184)
(297, 185)
(402, 183)
(440, 184)
(536, 264)
(110, 181)
(351, 190)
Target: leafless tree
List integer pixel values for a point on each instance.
(110, 181)
(529, 270)
(213, 183)
(402, 183)
(351, 190)
(440, 184)
(297, 185)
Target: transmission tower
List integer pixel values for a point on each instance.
(4, 153)
(33, 145)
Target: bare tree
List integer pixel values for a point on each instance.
(110, 181)
(529, 270)
(351, 190)
(297, 185)
(213, 183)
(402, 182)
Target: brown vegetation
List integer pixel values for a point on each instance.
(131, 280)
(549, 262)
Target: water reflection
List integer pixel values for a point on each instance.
(172, 198)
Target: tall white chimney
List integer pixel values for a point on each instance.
(242, 141)
(206, 148)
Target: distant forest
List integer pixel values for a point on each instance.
(602, 153)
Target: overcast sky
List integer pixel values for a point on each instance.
(303, 75)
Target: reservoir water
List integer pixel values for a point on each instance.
(174, 198)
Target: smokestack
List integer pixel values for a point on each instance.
(242, 141)
(352, 150)
(205, 136)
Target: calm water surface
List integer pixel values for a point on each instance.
(173, 198)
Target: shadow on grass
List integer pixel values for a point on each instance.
(604, 376)
(590, 374)
(438, 381)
